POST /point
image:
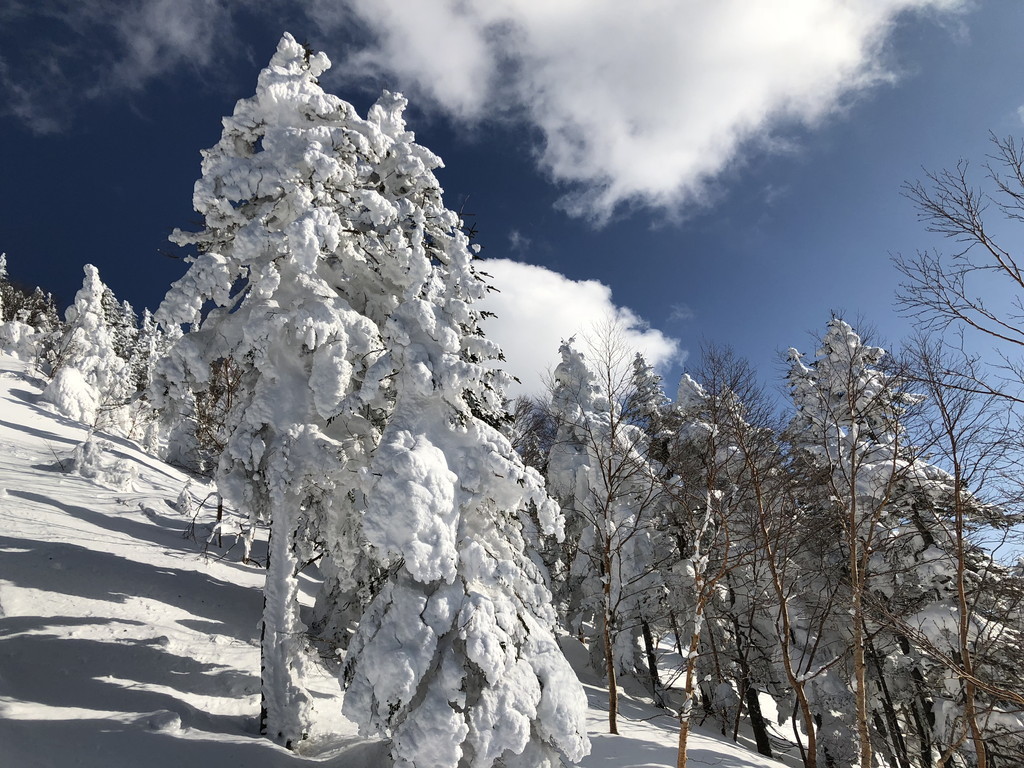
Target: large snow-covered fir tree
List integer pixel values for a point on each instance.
(365, 427)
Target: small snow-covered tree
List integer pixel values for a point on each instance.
(364, 428)
(90, 382)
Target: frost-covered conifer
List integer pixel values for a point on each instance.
(28, 322)
(150, 345)
(455, 661)
(122, 322)
(365, 412)
(3, 282)
(90, 382)
(877, 509)
(646, 405)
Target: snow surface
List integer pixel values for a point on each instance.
(123, 644)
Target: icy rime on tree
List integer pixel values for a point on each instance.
(891, 511)
(344, 289)
(90, 380)
(597, 469)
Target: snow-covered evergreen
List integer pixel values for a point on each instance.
(91, 381)
(343, 290)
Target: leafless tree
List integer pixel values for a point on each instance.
(977, 440)
(614, 510)
(977, 290)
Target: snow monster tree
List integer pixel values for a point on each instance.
(367, 427)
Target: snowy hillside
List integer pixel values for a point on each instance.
(123, 644)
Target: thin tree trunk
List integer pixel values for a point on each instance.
(220, 519)
(688, 697)
(613, 693)
(860, 691)
(964, 611)
(652, 663)
(609, 650)
(263, 637)
(895, 732)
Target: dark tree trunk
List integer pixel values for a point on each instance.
(757, 722)
(652, 663)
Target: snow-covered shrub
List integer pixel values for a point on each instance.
(20, 340)
(185, 503)
(91, 459)
(73, 396)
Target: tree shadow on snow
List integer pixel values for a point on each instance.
(102, 743)
(68, 672)
(48, 411)
(25, 396)
(167, 531)
(74, 570)
(42, 434)
(15, 625)
(170, 535)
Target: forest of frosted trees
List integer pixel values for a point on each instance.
(831, 562)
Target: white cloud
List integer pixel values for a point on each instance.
(640, 103)
(643, 103)
(537, 309)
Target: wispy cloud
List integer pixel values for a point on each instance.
(538, 308)
(96, 49)
(161, 36)
(518, 242)
(681, 313)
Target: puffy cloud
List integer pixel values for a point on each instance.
(639, 103)
(537, 309)
(636, 104)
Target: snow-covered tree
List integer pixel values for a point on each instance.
(874, 500)
(29, 323)
(599, 473)
(90, 382)
(343, 290)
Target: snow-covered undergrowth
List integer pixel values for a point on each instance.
(123, 643)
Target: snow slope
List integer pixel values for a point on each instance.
(123, 644)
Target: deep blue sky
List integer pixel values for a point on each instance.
(100, 141)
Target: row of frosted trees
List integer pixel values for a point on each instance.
(830, 566)
(322, 360)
